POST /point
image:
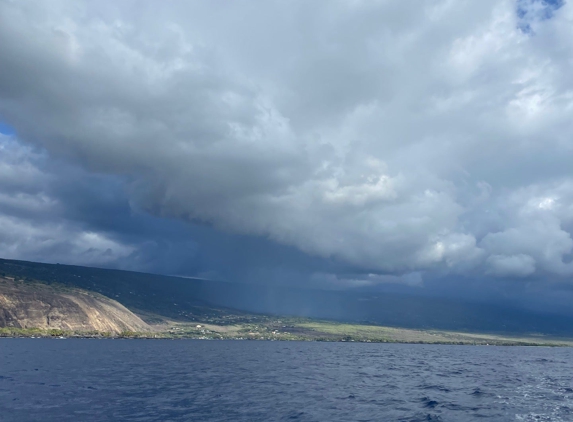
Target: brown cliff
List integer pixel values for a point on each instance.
(36, 305)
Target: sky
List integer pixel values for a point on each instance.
(344, 144)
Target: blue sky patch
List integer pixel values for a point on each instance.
(531, 11)
(6, 129)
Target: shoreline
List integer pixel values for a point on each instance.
(166, 336)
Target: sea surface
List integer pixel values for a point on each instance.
(200, 380)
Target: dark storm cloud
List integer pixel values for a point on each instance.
(379, 139)
(30, 216)
(57, 212)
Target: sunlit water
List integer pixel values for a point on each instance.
(163, 380)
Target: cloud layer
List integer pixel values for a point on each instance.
(34, 223)
(395, 138)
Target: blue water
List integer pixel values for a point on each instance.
(187, 380)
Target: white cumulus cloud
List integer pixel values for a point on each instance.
(397, 137)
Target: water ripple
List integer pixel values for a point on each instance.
(109, 380)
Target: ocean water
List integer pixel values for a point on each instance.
(194, 380)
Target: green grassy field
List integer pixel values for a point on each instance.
(263, 327)
(289, 329)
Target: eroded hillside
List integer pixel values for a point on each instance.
(37, 305)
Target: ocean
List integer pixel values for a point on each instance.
(201, 380)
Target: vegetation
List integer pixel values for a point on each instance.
(178, 308)
(287, 329)
(37, 332)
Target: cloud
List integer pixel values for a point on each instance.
(520, 265)
(345, 281)
(32, 220)
(57, 244)
(394, 138)
(53, 211)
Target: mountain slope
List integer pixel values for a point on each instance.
(36, 305)
(219, 302)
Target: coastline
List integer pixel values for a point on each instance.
(464, 339)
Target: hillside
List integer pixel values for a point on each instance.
(172, 297)
(157, 298)
(46, 300)
(51, 307)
